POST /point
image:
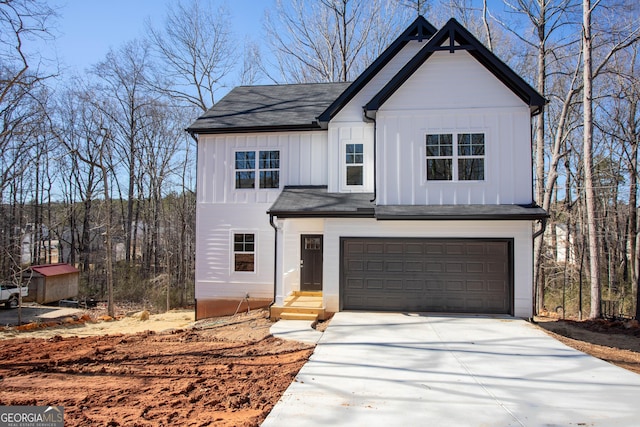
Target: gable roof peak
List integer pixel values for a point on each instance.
(459, 38)
(420, 29)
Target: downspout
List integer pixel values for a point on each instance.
(375, 151)
(275, 261)
(543, 227)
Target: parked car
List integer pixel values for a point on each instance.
(9, 294)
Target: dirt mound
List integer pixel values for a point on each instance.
(223, 372)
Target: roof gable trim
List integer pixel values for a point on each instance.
(419, 30)
(459, 38)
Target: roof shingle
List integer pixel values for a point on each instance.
(267, 108)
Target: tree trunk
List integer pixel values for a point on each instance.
(107, 241)
(633, 213)
(539, 156)
(590, 198)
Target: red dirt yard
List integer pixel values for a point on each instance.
(225, 372)
(228, 372)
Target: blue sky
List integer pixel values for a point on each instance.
(86, 29)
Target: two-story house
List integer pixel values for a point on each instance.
(409, 189)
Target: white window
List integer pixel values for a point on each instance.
(354, 160)
(244, 252)
(264, 174)
(455, 157)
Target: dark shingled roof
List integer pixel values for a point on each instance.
(315, 201)
(269, 108)
(302, 201)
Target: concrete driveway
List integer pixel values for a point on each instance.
(393, 369)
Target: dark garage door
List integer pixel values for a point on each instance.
(436, 275)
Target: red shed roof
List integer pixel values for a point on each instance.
(54, 269)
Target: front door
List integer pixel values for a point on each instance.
(311, 262)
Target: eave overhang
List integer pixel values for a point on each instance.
(314, 126)
(461, 213)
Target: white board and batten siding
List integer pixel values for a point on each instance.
(453, 93)
(519, 231)
(223, 210)
(348, 127)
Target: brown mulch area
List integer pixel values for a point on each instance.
(228, 372)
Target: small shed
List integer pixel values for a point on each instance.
(51, 282)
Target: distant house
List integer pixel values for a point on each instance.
(560, 244)
(38, 242)
(51, 282)
(409, 189)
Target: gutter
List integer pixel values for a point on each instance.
(375, 150)
(543, 223)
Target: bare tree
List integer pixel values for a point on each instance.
(124, 98)
(543, 31)
(20, 111)
(419, 7)
(326, 40)
(96, 152)
(195, 52)
(252, 66)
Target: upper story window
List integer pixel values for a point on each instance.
(455, 157)
(355, 164)
(267, 172)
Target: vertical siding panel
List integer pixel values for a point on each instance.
(202, 170)
(507, 157)
(381, 165)
(333, 158)
(293, 162)
(317, 170)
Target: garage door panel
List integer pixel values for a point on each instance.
(414, 249)
(438, 275)
(434, 267)
(414, 266)
(354, 284)
(454, 285)
(475, 267)
(374, 248)
(435, 248)
(454, 267)
(475, 286)
(394, 266)
(375, 266)
(355, 265)
(497, 267)
(394, 284)
(497, 249)
(394, 248)
(374, 284)
(435, 285)
(455, 249)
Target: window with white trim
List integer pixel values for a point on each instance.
(455, 157)
(263, 174)
(244, 251)
(354, 159)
